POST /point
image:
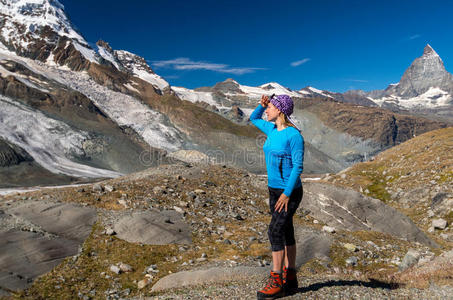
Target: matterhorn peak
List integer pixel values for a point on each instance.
(429, 50)
(425, 72)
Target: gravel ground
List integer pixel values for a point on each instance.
(313, 288)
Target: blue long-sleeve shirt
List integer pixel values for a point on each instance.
(283, 151)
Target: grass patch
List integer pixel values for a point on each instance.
(378, 191)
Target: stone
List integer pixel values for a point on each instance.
(123, 202)
(109, 188)
(445, 236)
(350, 247)
(439, 224)
(110, 231)
(208, 276)
(125, 267)
(351, 261)
(98, 188)
(411, 258)
(151, 269)
(144, 282)
(371, 243)
(438, 198)
(227, 234)
(158, 190)
(178, 209)
(199, 191)
(115, 269)
(328, 229)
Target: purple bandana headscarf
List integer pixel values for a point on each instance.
(285, 104)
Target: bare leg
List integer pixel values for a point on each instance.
(290, 256)
(277, 260)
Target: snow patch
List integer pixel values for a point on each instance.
(130, 87)
(86, 52)
(154, 79)
(108, 56)
(434, 97)
(257, 92)
(194, 96)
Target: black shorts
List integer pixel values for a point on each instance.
(281, 229)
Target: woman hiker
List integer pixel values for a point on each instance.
(284, 154)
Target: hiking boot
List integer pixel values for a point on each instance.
(273, 289)
(289, 279)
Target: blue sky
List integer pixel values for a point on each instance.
(329, 44)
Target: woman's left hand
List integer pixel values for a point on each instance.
(282, 202)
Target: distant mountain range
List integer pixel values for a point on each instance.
(426, 88)
(71, 112)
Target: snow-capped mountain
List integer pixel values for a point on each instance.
(426, 86)
(224, 95)
(133, 64)
(74, 123)
(139, 68)
(314, 92)
(74, 111)
(39, 29)
(424, 74)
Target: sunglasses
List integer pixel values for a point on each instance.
(275, 98)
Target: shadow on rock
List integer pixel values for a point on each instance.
(374, 284)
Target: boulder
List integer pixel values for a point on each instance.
(439, 224)
(311, 244)
(212, 275)
(346, 209)
(411, 258)
(26, 255)
(153, 228)
(67, 220)
(37, 236)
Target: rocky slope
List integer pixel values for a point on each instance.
(415, 177)
(224, 210)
